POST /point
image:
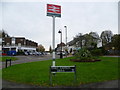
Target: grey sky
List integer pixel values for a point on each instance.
(28, 19)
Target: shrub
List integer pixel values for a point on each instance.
(96, 52)
(83, 54)
(20, 52)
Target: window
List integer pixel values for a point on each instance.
(13, 41)
(19, 44)
(21, 39)
(8, 44)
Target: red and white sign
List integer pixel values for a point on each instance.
(53, 10)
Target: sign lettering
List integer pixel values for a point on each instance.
(62, 68)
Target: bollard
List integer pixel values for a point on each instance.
(7, 61)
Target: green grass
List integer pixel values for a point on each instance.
(3, 59)
(37, 73)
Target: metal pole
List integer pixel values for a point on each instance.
(61, 45)
(6, 63)
(75, 75)
(66, 38)
(53, 40)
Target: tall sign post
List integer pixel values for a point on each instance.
(53, 11)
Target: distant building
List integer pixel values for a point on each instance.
(18, 44)
(58, 49)
(71, 46)
(74, 46)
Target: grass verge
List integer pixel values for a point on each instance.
(37, 73)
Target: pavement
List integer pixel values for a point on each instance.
(25, 59)
(111, 56)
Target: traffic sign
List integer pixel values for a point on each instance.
(53, 10)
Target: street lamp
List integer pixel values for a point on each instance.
(66, 39)
(61, 56)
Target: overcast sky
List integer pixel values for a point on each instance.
(29, 20)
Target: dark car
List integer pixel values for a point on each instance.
(11, 53)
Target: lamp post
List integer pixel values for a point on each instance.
(66, 39)
(61, 56)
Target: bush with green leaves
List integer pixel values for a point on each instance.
(20, 52)
(83, 54)
(96, 52)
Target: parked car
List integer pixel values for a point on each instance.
(48, 53)
(63, 53)
(4, 54)
(40, 53)
(45, 53)
(36, 53)
(11, 53)
(26, 53)
(30, 53)
(58, 53)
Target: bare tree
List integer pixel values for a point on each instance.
(106, 37)
(3, 33)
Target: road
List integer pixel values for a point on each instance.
(26, 59)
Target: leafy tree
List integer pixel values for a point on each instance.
(90, 41)
(116, 41)
(40, 48)
(94, 35)
(106, 37)
(95, 39)
(87, 40)
(77, 40)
